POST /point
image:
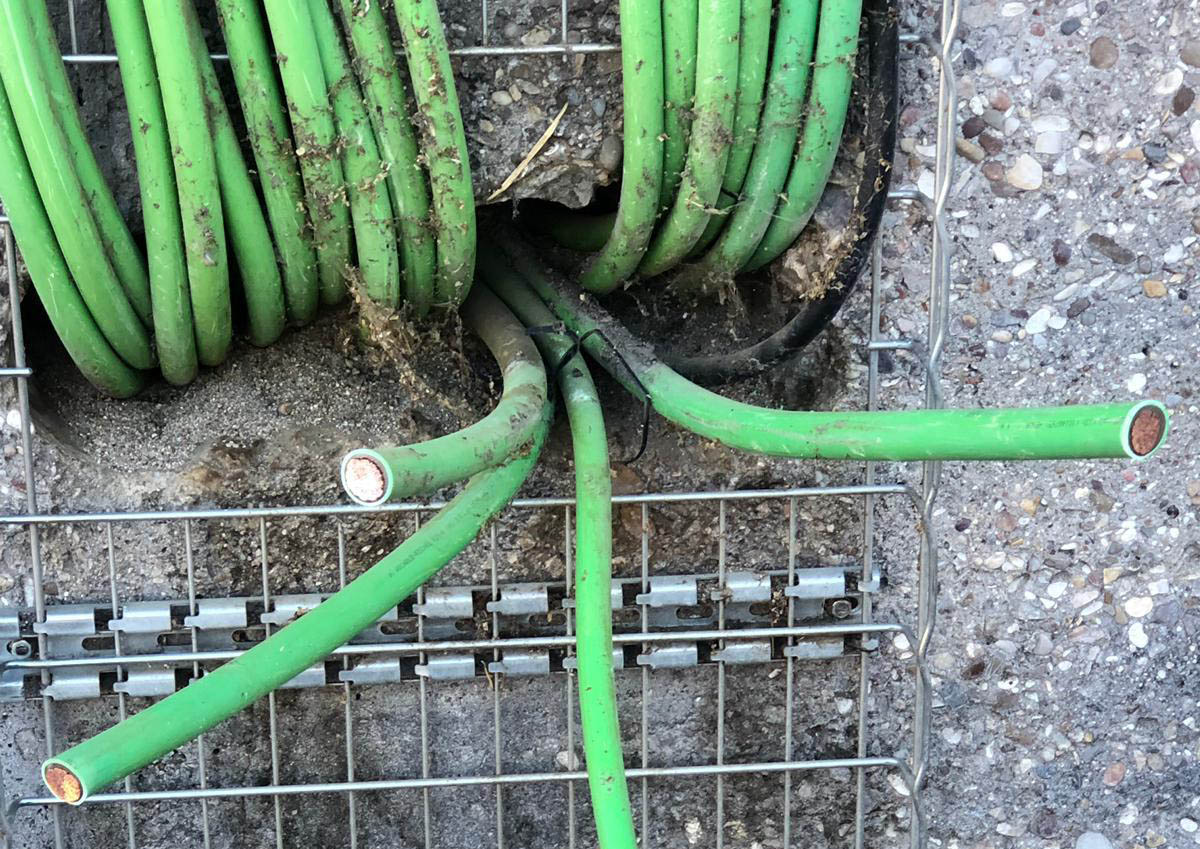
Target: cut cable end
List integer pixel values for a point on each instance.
(1146, 429)
(63, 783)
(365, 479)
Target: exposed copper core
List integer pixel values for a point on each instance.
(365, 479)
(63, 784)
(1146, 430)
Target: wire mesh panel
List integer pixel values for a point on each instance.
(748, 685)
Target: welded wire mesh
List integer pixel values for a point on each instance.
(432, 775)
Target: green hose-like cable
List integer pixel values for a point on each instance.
(711, 134)
(379, 76)
(642, 169)
(174, 339)
(149, 734)
(593, 568)
(185, 105)
(370, 202)
(63, 196)
(755, 47)
(445, 147)
(122, 250)
(375, 476)
(679, 36)
(67, 312)
(248, 232)
(773, 152)
(1071, 432)
(270, 133)
(833, 75)
(316, 140)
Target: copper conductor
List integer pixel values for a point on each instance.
(63, 784)
(1146, 430)
(365, 480)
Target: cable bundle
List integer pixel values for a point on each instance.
(345, 195)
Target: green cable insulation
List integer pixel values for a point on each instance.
(773, 152)
(123, 252)
(445, 147)
(375, 476)
(577, 231)
(370, 204)
(171, 305)
(168, 724)
(248, 232)
(67, 312)
(754, 49)
(828, 102)
(1050, 433)
(265, 113)
(313, 127)
(63, 196)
(593, 567)
(641, 170)
(711, 134)
(383, 86)
(184, 103)
(679, 35)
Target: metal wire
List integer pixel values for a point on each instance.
(912, 772)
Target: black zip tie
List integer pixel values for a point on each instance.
(576, 347)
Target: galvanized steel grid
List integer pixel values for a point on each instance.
(913, 771)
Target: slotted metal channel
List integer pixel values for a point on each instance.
(909, 764)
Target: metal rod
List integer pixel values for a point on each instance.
(272, 714)
(701, 771)
(122, 708)
(568, 610)
(551, 642)
(202, 766)
(348, 699)
(720, 807)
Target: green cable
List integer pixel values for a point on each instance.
(577, 231)
(755, 47)
(375, 476)
(773, 152)
(64, 197)
(833, 76)
(199, 191)
(593, 567)
(67, 312)
(119, 245)
(445, 147)
(171, 305)
(315, 134)
(711, 134)
(265, 112)
(1070, 432)
(679, 36)
(168, 724)
(248, 232)
(370, 203)
(642, 169)
(383, 86)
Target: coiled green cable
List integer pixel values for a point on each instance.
(265, 113)
(63, 195)
(773, 152)
(186, 107)
(445, 147)
(680, 21)
(378, 266)
(122, 250)
(68, 313)
(833, 76)
(315, 135)
(711, 137)
(379, 76)
(174, 338)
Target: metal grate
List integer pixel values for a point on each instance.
(858, 633)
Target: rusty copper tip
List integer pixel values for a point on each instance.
(63, 784)
(364, 479)
(1146, 430)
